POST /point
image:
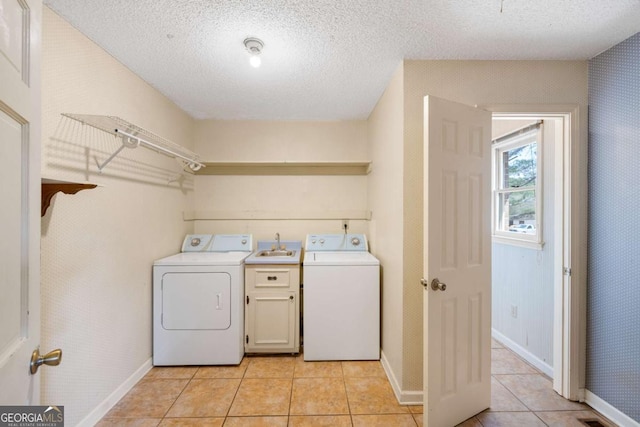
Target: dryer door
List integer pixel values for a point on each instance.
(196, 301)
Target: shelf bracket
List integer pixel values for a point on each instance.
(49, 189)
(111, 157)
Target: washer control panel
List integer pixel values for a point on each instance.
(336, 242)
(217, 243)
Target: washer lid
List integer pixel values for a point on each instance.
(204, 258)
(340, 258)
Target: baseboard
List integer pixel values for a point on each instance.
(106, 405)
(609, 411)
(524, 353)
(404, 397)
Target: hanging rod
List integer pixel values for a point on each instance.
(134, 136)
(193, 164)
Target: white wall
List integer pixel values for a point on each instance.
(97, 246)
(305, 196)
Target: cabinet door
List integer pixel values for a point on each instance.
(271, 320)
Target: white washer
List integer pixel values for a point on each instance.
(341, 282)
(198, 311)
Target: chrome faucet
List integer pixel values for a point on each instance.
(278, 241)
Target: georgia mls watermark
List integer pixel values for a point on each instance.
(31, 416)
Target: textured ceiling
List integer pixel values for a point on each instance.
(329, 60)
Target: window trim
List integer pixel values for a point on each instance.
(504, 143)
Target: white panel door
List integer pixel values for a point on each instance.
(20, 22)
(457, 254)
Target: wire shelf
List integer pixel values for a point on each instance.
(133, 136)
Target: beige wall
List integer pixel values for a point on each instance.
(386, 129)
(486, 84)
(301, 196)
(279, 141)
(98, 245)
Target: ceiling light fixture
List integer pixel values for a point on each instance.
(254, 47)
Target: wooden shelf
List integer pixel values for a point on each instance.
(51, 186)
(285, 168)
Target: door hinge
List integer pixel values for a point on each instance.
(567, 271)
(247, 299)
(247, 339)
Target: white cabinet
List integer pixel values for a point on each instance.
(272, 309)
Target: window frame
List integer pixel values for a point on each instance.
(510, 141)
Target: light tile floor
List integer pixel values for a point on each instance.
(287, 391)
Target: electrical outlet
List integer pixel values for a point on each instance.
(514, 311)
(345, 224)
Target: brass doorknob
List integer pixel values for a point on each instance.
(53, 358)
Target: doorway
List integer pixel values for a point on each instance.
(458, 219)
(529, 238)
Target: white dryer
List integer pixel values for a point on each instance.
(341, 281)
(198, 316)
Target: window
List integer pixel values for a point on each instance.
(517, 195)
